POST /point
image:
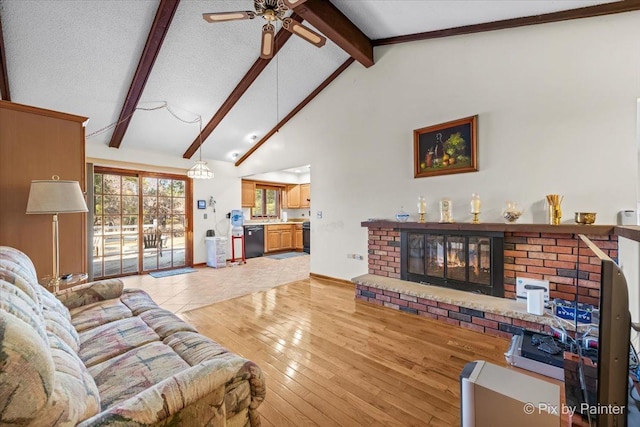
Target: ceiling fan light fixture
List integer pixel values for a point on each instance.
(271, 11)
(200, 171)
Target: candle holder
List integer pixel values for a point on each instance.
(475, 219)
(422, 208)
(475, 208)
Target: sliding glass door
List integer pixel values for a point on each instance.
(164, 219)
(140, 222)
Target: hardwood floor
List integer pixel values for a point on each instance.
(330, 360)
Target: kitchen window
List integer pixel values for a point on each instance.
(267, 203)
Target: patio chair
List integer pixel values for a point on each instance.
(154, 239)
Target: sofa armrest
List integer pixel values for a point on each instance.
(91, 292)
(206, 380)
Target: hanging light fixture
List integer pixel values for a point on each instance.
(200, 170)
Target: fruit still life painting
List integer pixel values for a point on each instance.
(446, 148)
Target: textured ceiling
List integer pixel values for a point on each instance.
(80, 57)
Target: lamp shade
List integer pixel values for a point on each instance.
(200, 171)
(55, 196)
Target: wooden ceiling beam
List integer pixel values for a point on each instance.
(5, 95)
(295, 111)
(328, 19)
(258, 67)
(564, 15)
(159, 28)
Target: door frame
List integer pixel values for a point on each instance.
(188, 208)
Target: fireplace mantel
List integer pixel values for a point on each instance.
(595, 230)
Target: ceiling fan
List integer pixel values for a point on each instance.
(271, 10)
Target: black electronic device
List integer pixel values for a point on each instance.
(614, 341)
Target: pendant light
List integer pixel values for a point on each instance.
(200, 170)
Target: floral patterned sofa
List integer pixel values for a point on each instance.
(100, 355)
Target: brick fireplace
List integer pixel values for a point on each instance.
(557, 257)
(537, 251)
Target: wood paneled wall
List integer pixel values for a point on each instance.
(36, 144)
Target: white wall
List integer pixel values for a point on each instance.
(225, 188)
(557, 114)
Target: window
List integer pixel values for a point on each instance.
(267, 202)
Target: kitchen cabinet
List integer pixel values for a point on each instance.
(305, 195)
(293, 197)
(248, 194)
(279, 237)
(298, 243)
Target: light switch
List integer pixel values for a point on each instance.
(205, 216)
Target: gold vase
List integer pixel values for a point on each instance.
(555, 214)
(555, 211)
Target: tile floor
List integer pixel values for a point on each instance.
(209, 285)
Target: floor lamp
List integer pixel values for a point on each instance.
(55, 197)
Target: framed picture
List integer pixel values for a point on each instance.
(202, 204)
(446, 148)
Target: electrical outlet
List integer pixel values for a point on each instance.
(205, 216)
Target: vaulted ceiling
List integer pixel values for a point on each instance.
(145, 71)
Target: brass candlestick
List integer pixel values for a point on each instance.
(475, 219)
(421, 219)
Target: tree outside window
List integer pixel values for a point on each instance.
(267, 202)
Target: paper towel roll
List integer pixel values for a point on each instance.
(284, 216)
(535, 301)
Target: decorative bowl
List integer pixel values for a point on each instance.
(402, 217)
(511, 216)
(585, 218)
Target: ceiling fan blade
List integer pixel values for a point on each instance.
(228, 16)
(306, 33)
(268, 36)
(293, 3)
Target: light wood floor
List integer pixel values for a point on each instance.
(331, 361)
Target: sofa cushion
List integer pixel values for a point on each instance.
(62, 328)
(164, 322)
(19, 263)
(99, 313)
(142, 368)
(137, 300)
(75, 397)
(112, 339)
(19, 277)
(14, 301)
(26, 371)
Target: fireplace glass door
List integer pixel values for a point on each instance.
(457, 260)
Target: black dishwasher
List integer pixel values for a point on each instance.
(253, 241)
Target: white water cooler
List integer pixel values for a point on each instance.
(216, 251)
